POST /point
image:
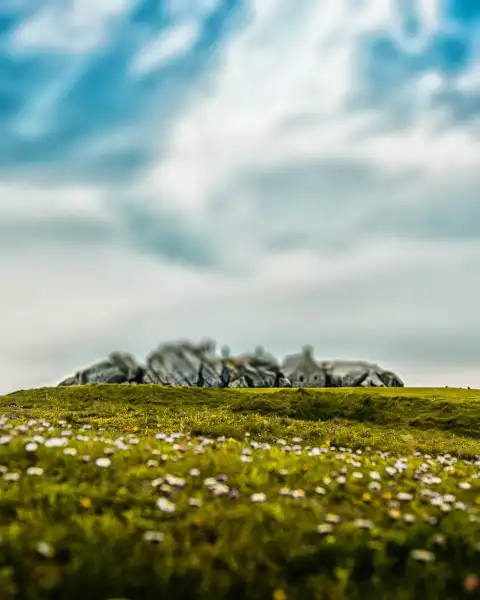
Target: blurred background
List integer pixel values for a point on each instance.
(260, 172)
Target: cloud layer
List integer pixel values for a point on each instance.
(260, 172)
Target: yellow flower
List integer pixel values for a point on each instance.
(366, 497)
(279, 594)
(394, 513)
(387, 496)
(85, 502)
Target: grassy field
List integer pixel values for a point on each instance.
(144, 492)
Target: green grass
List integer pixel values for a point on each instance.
(78, 531)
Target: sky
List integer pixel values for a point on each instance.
(254, 171)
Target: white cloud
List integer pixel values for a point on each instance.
(267, 79)
(75, 26)
(168, 46)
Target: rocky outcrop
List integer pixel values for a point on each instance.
(186, 364)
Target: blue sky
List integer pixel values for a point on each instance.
(260, 171)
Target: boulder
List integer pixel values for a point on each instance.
(184, 363)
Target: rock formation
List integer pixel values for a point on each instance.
(183, 363)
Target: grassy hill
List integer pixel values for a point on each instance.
(144, 492)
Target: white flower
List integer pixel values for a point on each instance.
(220, 489)
(210, 482)
(103, 462)
(5, 439)
(363, 524)
(37, 471)
(260, 497)
(325, 528)
(45, 549)
(195, 502)
(56, 442)
(320, 491)
(422, 555)
(31, 447)
(357, 475)
(165, 505)
(409, 518)
(154, 537)
(70, 451)
(375, 475)
(194, 472)
(11, 476)
(332, 518)
(298, 494)
(464, 485)
(405, 496)
(174, 481)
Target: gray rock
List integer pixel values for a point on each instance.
(185, 364)
(119, 367)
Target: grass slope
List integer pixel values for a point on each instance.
(144, 492)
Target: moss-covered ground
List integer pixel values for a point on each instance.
(144, 492)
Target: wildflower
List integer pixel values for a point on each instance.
(409, 518)
(194, 472)
(464, 485)
(332, 518)
(320, 491)
(366, 497)
(298, 494)
(44, 549)
(174, 481)
(285, 491)
(279, 594)
(11, 476)
(70, 451)
(103, 463)
(154, 537)
(357, 475)
(221, 490)
(57, 442)
(195, 502)
(363, 524)
(31, 447)
(165, 505)
(394, 514)
(424, 556)
(375, 475)
(325, 528)
(36, 471)
(260, 497)
(405, 496)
